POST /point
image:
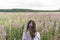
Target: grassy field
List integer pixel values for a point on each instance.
(12, 24)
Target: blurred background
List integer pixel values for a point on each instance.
(13, 24)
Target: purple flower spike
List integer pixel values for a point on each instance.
(30, 25)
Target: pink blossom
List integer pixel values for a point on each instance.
(4, 34)
(56, 29)
(30, 25)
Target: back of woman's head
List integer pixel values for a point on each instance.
(31, 24)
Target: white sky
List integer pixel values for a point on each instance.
(30, 4)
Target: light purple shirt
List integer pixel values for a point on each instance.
(26, 36)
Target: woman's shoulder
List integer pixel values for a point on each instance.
(37, 37)
(38, 34)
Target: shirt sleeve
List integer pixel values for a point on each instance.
(38, 36)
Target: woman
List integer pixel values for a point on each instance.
(31, 33)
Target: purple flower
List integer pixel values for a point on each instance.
(4, 34)
(56, 29)
(1, 28)
(30, 25)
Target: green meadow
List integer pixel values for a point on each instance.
(13, 24)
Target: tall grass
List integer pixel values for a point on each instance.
(14, 25)
(15, 33)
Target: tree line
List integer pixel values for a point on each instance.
(27, 10)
